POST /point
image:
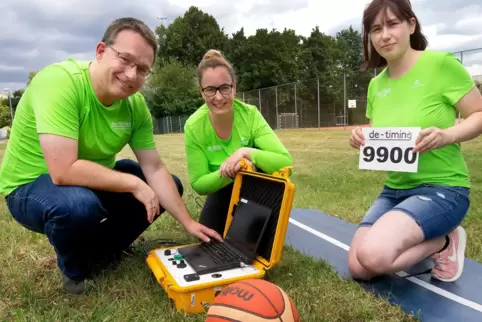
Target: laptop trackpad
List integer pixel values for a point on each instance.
(196, 255)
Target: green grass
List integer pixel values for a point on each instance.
(327, 179)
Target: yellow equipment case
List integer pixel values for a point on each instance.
(274, 191)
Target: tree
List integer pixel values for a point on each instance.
(321, 60)
(31, 75)
(274, 57)
(5, 118)
(16, 96)
(350, 43)
(187, 38)
(172, 90)
(265, 59)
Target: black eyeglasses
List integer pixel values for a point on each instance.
(126, 61)
(224, 89)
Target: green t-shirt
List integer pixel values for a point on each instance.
(424, 97)
(60, 100)
(205, 152)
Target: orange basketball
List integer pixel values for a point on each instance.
(253, 300)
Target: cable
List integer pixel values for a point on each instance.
(146, 246)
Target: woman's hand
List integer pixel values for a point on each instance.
(232, 165)
(432, 138)
(238, 166)
(356, 138)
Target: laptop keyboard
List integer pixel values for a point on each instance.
(223, 253)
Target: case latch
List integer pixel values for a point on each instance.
(284, 172)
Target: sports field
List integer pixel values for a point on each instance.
(327, 179)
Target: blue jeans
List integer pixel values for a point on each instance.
(437, 209)
(84, 226)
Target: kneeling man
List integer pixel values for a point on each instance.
(59, 174)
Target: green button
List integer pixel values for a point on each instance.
(177, 257)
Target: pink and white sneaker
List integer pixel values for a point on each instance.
(449, 263)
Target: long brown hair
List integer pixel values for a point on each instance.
(402, 9)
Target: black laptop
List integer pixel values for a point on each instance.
(240, 245)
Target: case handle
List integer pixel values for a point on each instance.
(245, 166)
(284, 172)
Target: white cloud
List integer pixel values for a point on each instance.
(35, 33)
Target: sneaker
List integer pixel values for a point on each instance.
(449, 263)
(73, 287)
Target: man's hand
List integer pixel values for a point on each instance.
(432, 138)
(147, 196)
(201, 232)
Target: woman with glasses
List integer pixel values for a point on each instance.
(222, 132)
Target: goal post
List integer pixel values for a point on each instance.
(288, 120)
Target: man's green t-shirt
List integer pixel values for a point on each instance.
(424, 97)
(60, 100)
(206, 152)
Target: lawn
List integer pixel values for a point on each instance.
(327, 179)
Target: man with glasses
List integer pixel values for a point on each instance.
(59, 174)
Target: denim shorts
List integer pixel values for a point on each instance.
(437, 209)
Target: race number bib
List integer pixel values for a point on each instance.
(389, 149)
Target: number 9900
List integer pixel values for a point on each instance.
(383, 154)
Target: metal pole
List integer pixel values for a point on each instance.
(461, 61)
(318, 91)
(259, 99)
(344, 100)
(296, 107)
(10, 103)
(277, 117)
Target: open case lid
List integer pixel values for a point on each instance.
(275, 191)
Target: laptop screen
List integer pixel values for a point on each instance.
(247, 227)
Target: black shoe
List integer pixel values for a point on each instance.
(73, 287)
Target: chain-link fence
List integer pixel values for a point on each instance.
(329, 101)
(334, 101)
(170, 124)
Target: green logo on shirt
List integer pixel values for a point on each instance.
(214, 148)
(121, 125)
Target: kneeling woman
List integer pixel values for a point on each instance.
(219, 134)
(417, 215)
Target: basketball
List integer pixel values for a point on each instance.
(253, 300)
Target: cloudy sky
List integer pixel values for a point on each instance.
(36, 33)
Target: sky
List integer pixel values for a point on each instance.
(36, 33)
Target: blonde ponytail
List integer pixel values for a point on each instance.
(211, 59)
(213, 53)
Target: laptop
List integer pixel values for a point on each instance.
(240, 245)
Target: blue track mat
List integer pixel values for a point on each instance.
(325, 237)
